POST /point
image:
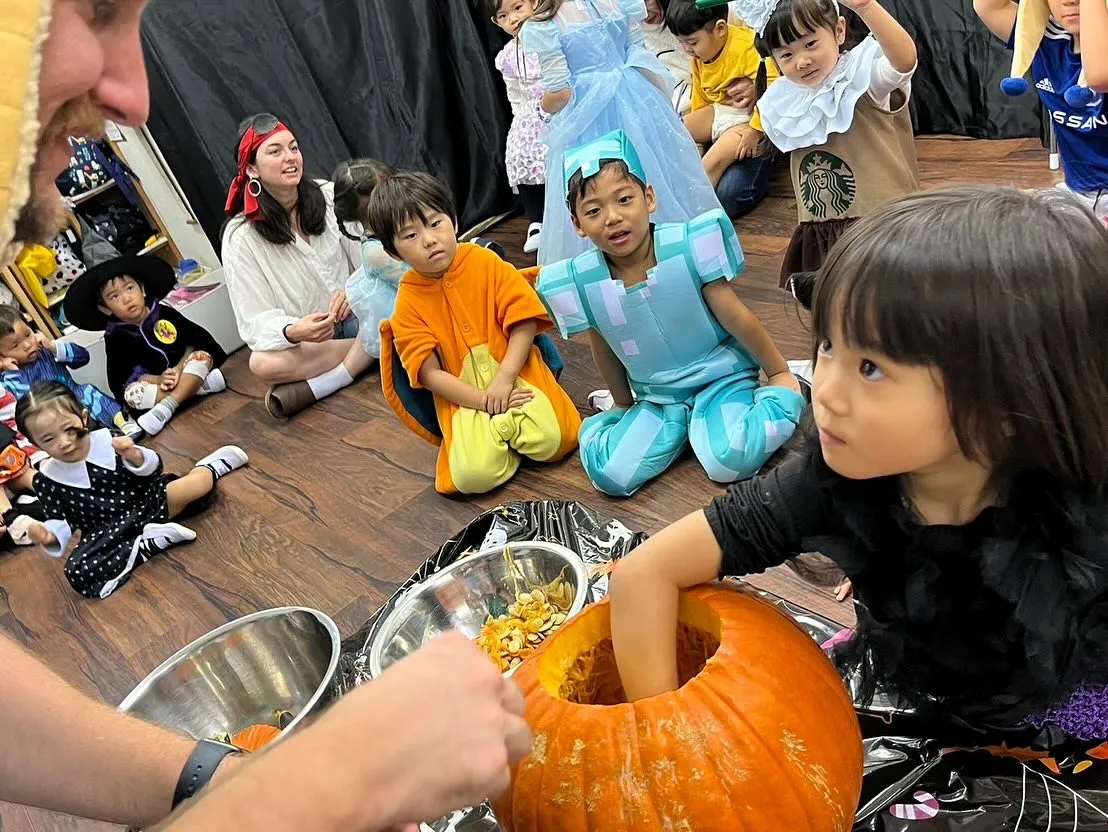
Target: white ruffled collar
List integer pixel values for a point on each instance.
(795, 117)
(75, 474)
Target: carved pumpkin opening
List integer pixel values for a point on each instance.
(583, 670)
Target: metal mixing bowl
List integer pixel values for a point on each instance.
(241, 673)
(458, 597)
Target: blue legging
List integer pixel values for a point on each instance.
(734, 425)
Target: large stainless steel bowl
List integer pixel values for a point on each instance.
(458, 597)
(241, 673)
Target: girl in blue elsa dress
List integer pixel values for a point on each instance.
(598, 78)
(371, 290)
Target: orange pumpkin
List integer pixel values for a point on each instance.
(255, 737)
(761, 735)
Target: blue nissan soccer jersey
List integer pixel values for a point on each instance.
(1082, 132)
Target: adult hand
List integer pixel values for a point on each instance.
(520, 396)
(340, 306)
(313, 329)
(169, 379)
(785, 379)
(498, 393)
(126, 448)
(9, 364)
(654, 14)
(856, 5)
(742, 93)
(437, 731)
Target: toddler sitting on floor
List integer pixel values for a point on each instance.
(28, 357)
(157, 358)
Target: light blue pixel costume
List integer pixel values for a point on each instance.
(692, 381)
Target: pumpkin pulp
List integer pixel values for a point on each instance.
(582, 670)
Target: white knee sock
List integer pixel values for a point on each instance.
(214, 382)
(158, 416)
(225, 460)
(329, 382)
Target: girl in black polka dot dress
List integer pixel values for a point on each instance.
(107, 499)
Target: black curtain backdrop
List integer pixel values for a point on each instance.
(957, 86)
(409, 82)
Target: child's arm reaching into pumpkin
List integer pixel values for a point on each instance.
(644, 589)
(756, 525)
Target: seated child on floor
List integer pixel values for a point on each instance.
(371, 289)
(464, 328)
(678, 349)
(722, 54)
(157, 358)
(107, 496)
(19, 507)
(28, 357)
(956, 470)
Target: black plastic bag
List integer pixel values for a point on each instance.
(921, 774)
(596, 538)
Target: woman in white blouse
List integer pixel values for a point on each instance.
(286, 266)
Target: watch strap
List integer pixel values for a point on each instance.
(200, 767)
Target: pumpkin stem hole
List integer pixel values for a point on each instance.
(593, 679)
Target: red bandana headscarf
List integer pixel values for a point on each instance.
(248, 146)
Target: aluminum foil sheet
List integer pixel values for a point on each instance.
(918, 776)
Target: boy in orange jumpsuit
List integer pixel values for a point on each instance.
(464, 328)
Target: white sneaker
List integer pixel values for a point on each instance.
(601, 400)
(534, 236)
(222, 462)
(164, 535)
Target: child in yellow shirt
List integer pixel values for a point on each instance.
(725, 65)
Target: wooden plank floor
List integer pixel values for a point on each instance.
(338, 505)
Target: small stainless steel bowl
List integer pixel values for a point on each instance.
(457, 597)
(241, 673)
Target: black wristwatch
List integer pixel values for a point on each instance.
(200, 768)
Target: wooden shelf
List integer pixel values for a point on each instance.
(154, 246)
(95, 192)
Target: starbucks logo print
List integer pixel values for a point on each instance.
(827, 185)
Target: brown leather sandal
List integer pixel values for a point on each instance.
(286, 400)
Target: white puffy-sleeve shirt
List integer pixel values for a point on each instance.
(272, 286)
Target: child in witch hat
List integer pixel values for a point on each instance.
(1045, 38)
(157, 358)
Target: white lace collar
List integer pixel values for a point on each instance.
(795, 117)
(75, 474)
